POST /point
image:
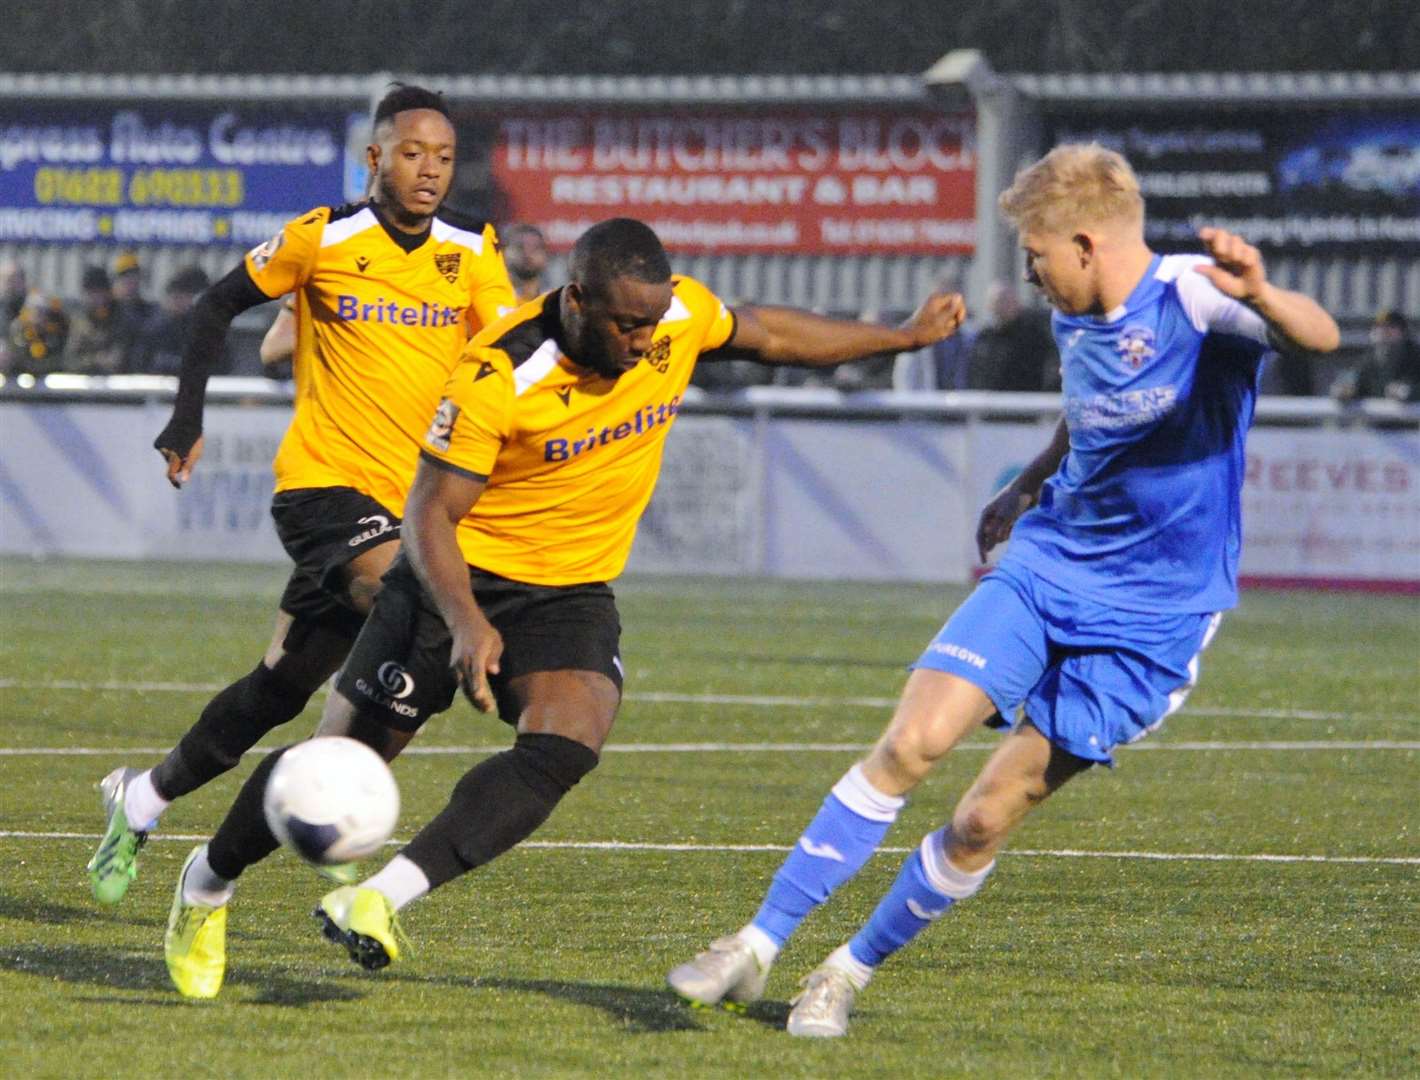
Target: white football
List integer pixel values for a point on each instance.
(331, 800)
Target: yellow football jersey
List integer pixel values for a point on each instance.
(381, 318)
(571, 457)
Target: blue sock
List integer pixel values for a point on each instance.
(844, 833)
(925, 888)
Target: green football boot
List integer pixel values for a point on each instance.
(363, 920)
(115, 863)
(195, 944)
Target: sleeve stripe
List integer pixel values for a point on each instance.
(449, 466)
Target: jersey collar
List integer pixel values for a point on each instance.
(406, 242)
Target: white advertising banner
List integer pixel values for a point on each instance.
(84, 480)
(704, 517)
(868, 500)
(1338, 505)
(773, 495)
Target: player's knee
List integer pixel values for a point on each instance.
(903, 752)
(979, 824)
(578, 706)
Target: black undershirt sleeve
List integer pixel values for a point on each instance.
(211, 319)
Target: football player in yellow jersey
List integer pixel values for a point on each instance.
(387, 292)
(541, 457)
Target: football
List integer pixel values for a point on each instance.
(331, 800)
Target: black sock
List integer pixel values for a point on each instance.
(233, 722)
(499, 803)
(243, 838)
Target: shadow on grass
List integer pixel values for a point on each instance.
(46, 913)
(113, 968)
(640, 1010)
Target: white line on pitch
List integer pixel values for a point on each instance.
(628, 845)
(743, 748)
(665, 697)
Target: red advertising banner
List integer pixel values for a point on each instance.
(839, 182)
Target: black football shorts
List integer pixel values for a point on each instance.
(323, 529)
(399, 667)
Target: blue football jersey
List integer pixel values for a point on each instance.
(1144, 512)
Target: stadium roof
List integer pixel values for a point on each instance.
(1220, 87)
(1101, 89)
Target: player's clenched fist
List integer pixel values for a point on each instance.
(179, 463)
(1237, 269)
(940, 316)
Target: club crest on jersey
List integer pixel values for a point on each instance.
(263, 253)
(361, 262)
(1135, 344)
(659, 354)
(448, 265)
(442, 429)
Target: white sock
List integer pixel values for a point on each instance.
(760, 943)
(200, 885)
(855, 791)
(859, 973)
(142, 805)
(400, 880)
(943, 874)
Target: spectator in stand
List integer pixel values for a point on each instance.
(1014, 351)
(525, 256)
(134, 312)
(97, 343)
(14, 286)
(1391, 370)
(161, 343)
(37, 336)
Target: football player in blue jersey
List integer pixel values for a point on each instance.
(1124, 541)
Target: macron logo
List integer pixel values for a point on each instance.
(922, 913)
(821, 851)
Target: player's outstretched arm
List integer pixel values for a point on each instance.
(180, 442)
(779, 335)
(438, 500)
(1237, 271)
(1013, 500)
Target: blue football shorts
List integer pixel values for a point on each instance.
(1089, 677)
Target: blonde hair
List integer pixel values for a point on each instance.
(1076, 184)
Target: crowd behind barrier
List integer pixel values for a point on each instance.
(115, 327)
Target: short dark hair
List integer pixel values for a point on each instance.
(190, 279)
(621, 247)
(519, 229)
(95, 277)
(402, 97)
